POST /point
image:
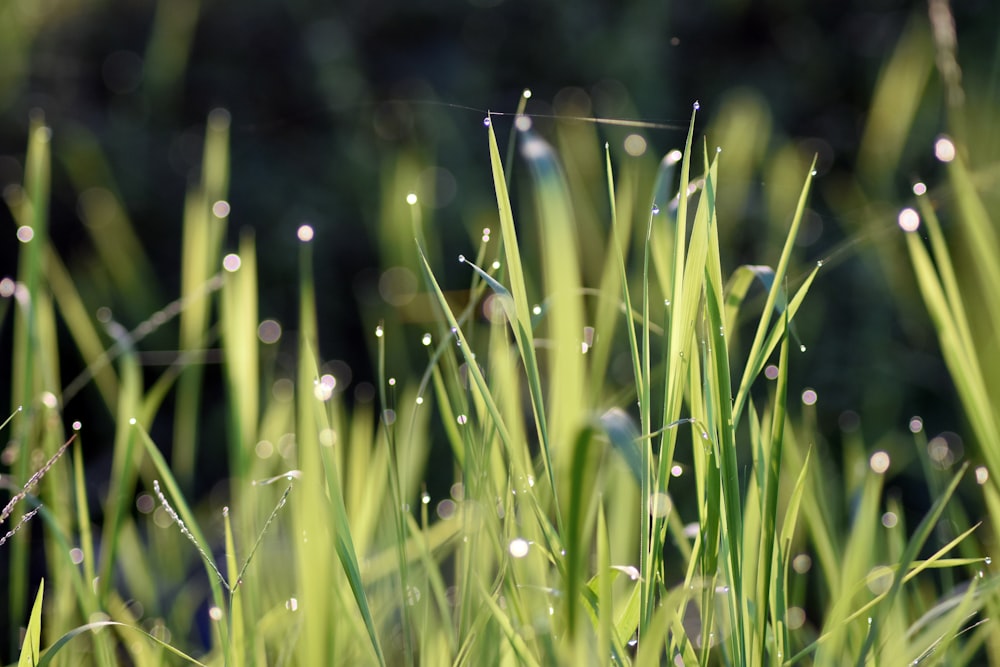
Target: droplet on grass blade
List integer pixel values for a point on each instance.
(305, 233)
(519, 547)
(486, 121)
(879, 462)
(656, 209)
(411, 199)
(944, 149)
(919, 189)
(909, 220)
(696, 105)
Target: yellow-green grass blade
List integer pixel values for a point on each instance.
(520, 319)
(202, 238)
(52, 651)
(562, 283)
(31, 647)
(187, 516)
(238, 329)
(758, 351)
(27, 346)
(237, 637)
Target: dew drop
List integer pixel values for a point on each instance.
(988, 560)
(426, 340)
(425, 498)
(461, 259)
(819, 264)
(462, 419)
(802, 348)
(486, 122)
(666, 302)
(519, 547)
(379, 332)
(526, 94)
(696, 105)
(411, 199)
(813, 172)
(656, 209)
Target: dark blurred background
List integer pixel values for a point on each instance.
(339, 109)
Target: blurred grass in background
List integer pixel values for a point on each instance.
(330, 121)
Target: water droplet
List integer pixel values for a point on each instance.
(291, 604)
(411, 199)
(908, 220)
(656, 209)
(486, 122)
(819, 264)
(666, 302)
(426, 340)
(462, 419)
(812, 173)
(537, 310)
(919, 189)
(425, 498)
(722, 331)
(420, 400)
(519, 547)
(526, 94)
(379, 331)
(802, 348)
(454, 330)
(718, 149)
(461, 259)
(696, 105)
(988, 560)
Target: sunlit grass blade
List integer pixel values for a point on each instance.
(31, 648)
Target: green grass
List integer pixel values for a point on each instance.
(687, 515)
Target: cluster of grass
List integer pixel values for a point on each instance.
(690, 517)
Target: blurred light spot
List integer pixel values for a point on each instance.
(397, 286)
(283, 390)
(526, 93)
(286, 445)
(849, 421)
(49, 400)
(879, 579)
(25, 233)
(522, 123)
(122, 71)
(269, 332)
(809, 397)
(77, 426)
(659, 505)
(420, 400)
(305, 233)
(379, 331)
(802, 563)
(323, 388)
(231, 262)
(457, 491)
(919, 189)
(536, 310)
(879, 462)
(631, 570)
(446, 509)
(944, 149)
(982, 475)
(692, 530)
(364, 392)
(771, 372)
(328, 437)
(144, 503)
(916, 424)
(426, 340)
(462, 419)
(437, 185)
(389, 416)
(218, 118)
(292, 604)
(220, 208)
(411, 199)
(909, 220)
(392, 382)
(673, 157)
(676, 470)
(795, 617)
(889, 519)
(264, 449)
(939, 452)
(519, 547)
(76, 555)
(635, 145)
(493, 309)
(7, 287)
